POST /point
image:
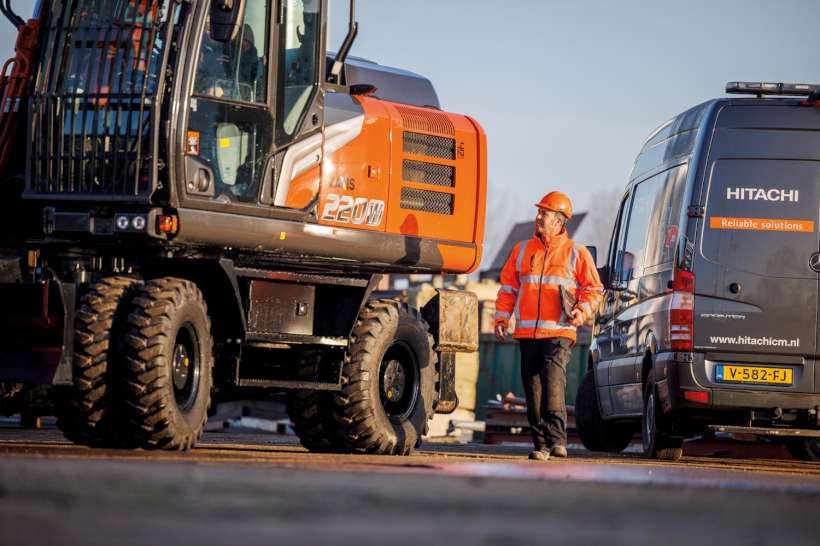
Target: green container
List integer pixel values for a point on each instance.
(500, 371)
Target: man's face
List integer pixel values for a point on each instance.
(548, 223)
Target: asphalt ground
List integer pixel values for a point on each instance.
(250, 488)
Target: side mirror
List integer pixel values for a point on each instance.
(226, 19)
(594, 252)
(603, 274)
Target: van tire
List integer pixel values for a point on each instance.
(311, 411)
(595, 433)
(88, 411)
(390, 342)
(656, 444)
(804, 449)
(169, 361)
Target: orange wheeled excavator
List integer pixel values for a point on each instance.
(209, 202)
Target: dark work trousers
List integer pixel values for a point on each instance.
(544, 373)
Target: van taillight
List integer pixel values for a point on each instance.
(681, 311)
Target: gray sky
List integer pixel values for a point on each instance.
(568, 90)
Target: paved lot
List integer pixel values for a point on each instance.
(264, 489)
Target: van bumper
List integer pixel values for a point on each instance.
(683, 389)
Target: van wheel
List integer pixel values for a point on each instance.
(169, 357)
(388, 381)
(311, 411)
(87, 411)
(804, 449)
(595, 433)
(656, 445)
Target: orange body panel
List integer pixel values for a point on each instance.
(304, 188)
(433, 188)
(356, 178)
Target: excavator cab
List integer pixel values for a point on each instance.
(132, 96)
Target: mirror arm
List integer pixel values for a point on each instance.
(338, 63)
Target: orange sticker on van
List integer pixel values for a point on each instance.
(762, 224)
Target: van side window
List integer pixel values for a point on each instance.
(631, 257)
(616, 242)
(652, 229)
(662, 239)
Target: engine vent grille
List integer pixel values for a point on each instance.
(429, 173)
(428, 121)
(427, 201)
(429, 145)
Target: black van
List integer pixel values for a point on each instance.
(710, 316)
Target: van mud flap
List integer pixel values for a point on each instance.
(36, 332)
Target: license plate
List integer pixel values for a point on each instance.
(729, 373)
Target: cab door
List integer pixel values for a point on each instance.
(253, 134)
(229, 137)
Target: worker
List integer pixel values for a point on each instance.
(551, 285)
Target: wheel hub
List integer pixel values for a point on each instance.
(394, 380)
(399, 382)
(182, 365)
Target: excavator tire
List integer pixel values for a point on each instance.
(88, 412)
(169, 361)
(388, 381)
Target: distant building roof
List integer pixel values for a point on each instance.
(520, 232)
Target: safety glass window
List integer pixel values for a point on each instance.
(236, 70)
(299, 63)
(617, 236)
(631, 258)
(665, 217)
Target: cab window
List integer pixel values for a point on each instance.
(236, 70)
(299, 64)
(230, 126)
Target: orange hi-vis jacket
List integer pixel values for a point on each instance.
(529, 287)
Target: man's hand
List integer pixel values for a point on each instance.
(501, 331)
(577, 318)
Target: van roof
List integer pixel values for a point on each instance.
(676, 138)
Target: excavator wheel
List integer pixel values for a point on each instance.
(388, 381)
(311, 411)
(169, 361)
(88, 412)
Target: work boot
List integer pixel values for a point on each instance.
(559, 451)
(540, 455)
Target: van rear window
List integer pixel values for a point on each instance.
(762, 215)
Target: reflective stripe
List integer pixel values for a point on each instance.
(573, 259)
(521, 249)
(548, 324)
(502, 314)
(534, 279)
(592, 289)
(510, 289)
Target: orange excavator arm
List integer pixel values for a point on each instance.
(14, 83)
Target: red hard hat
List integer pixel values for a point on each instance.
(558, 202)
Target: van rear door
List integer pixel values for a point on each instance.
(756, 291)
